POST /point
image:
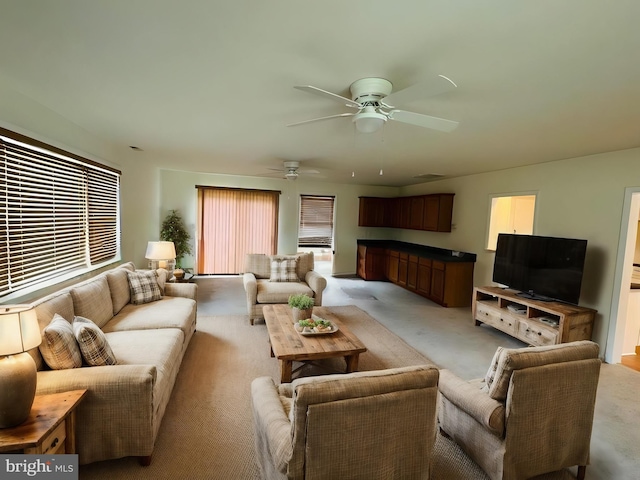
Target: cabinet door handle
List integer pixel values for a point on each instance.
(55, 442)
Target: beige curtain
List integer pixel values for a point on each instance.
(232, 223)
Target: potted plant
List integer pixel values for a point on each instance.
(174, 230)
(301, 306)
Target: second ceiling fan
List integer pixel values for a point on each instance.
(375, 103)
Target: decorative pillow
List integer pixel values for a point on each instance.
(143, 286)
(59, 347)
(283, 269)
(93, 343)
(162, 276)
(491, 373)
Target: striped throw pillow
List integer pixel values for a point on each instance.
(283, 270)
(93, 343)
(143, 286)
(59, 347)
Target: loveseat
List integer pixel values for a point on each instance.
(120, 415)
(266, 283)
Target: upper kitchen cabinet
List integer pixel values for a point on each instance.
(423, 212)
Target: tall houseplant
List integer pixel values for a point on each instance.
(174, 230)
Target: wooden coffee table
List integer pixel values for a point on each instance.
(287, 345)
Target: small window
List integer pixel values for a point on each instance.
(510, 214)
(316, 221)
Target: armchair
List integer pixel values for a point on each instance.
(261, 290)
(532, 414)
(363, 425)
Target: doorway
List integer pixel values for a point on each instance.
(315, 232)
(624, 329)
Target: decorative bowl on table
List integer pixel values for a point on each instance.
(315, 326)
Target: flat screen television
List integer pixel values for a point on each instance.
(542, 268)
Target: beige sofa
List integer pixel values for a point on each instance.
(121, 413)
(374, 425)
(261, 291)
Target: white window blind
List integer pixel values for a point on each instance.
(58, 214)
(316, 221)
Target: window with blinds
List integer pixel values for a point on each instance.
(59, 214)
(316, 221)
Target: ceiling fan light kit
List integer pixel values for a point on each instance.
(369, 121)
(375, 103)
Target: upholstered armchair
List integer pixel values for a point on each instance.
(531, 414)
(271, 279)
(367, 425)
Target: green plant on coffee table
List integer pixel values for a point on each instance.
(301, 301)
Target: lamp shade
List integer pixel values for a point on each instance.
(160, 251)
(369, 121)
(19, 329)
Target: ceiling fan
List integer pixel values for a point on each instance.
(375, 103)
(291, 170)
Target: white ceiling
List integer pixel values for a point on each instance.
(207, 85)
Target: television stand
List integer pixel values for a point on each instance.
(542, 323)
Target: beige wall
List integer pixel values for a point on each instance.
(576, 198)
(177, 191)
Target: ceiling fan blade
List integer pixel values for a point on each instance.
(320, 119)
(429, 88)
(331, 96)
(421, 120)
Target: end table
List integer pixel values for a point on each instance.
(50, 427)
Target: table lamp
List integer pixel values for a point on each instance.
(19, 332)
(161, 255)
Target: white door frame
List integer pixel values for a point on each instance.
(622, 278)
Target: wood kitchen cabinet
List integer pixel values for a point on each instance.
(437, 213)
(403, 269)
(424, 276)
(431, 212)
(412, 273)
(393, 261)
(372, 212)
(428, 271)
(372, 262)
(416, 213)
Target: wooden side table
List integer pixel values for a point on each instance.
(50, 427)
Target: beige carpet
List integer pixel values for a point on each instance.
(207, 430)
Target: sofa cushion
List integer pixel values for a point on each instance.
(283, 269)
(258, 264)
(516, 359)
(305, 264)
(279, 292)
(143, 287)
(59, 346)
(93, 300)
(132, 348)
(169, 312)
(119, 288)
(93, 343)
